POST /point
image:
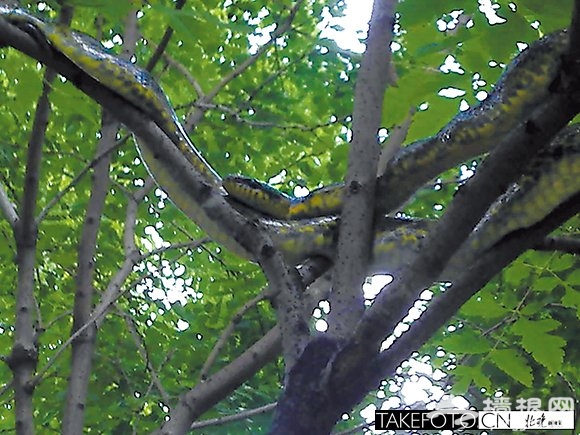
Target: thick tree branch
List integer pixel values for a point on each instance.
(500, 168)
(440, 311)
(201, 398)
(290, 302)
(247, 306)
(357, 229)
(200, 190)
(83, 346)
(341, 397)
(206, 394)
(493, 178)
(280, 276)
(569, 245)
(24, 356)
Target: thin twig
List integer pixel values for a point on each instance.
(219, 421)
(395, 141)
(141, 348)
(160, 49)
(184, 71)
(94, 162)
(235, 113)
(8, 208)
(282, 28)
(97, 314)
(227, 332)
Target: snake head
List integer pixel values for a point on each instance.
(258, 195)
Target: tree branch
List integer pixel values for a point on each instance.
(567, 245)
(111, 294)
(24, 356)
(91, 165)
(492, 179)
(218, 386)
(140, 345)
(203, 396)
(202, 193)
(160, 49)
(395, 186)
(83, 346)
(8, 208)
(499, 169)
(357, 229)
(465, 285)
(232, 418)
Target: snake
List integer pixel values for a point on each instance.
(136, 86)
(550, 179)
(525, 82)
(302, 228)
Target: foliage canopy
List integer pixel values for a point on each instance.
(285, 118)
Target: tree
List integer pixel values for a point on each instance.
(90, 244)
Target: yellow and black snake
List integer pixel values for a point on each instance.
(525, 82)
(308, 227)
(137, 87)
(551, 178)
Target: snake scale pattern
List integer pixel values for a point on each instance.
(308, 226)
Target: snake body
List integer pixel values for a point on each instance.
(526, 81)
(271, 202)
(136, 86)
(551, 178)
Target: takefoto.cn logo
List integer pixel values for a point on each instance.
(448, 419)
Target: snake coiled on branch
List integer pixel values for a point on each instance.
(307, 227)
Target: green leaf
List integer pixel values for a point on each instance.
(465, 375)
(546, 283)
(547, 349)
(574, 278)
(484, 305)
(550, 17)
(513, 364)
(562, 262)
(467, 341)
(287, 113)
(571, 299)
(516, 274)
(532, 308)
